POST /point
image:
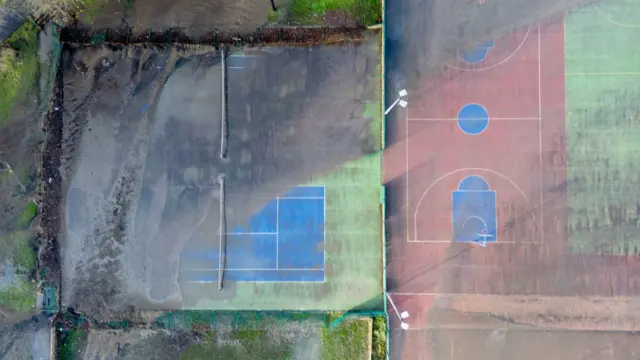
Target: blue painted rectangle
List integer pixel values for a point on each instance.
(259, 275)
(249, 251)
(262, 222)
(301, 234)
(305, 192)
(474, 213)
(283, 242)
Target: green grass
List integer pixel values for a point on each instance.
(242, 345)
(70, 341)
(379, 341)
(277, 338)
(603, 120)
(18, 67)
(16, 247)
(272, 17)
(347, 341)
(367, 12)
(27, 214)
(20, 296)
(90, 10)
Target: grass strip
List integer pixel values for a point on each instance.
(312, 12)
(18, 67)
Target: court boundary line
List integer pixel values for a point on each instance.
(324, 235)
(252, 269)
(496, 64)
(509, 242)
(540, 179)
(629, 73)
(540, 136)
(613, 21)
(278, 233)
(490, 118)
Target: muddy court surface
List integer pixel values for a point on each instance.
(142, 156)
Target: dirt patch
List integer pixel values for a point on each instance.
(27, 339)
(194, 18)
(339, 19)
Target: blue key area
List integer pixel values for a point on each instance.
(474, 211)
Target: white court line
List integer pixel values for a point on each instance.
(324, 237)
(300, 198)
(406, 125)
(252, 233)
(250, 269)
(501, 62)
(277, 233)
(490, 119)
(603, 73)
(258, 281)
(614, 22)
(470, 242)
(540, 135)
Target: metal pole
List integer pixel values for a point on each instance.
(222, 236)
(224, 125)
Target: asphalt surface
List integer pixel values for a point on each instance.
(421, 38)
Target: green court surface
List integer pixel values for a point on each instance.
(603, 127)
(353, 248)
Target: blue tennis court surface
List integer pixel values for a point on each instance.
(283, 242)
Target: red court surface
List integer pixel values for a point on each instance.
(520, 154)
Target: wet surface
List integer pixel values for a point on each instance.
(141, 155)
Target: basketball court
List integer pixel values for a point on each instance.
(476, 172)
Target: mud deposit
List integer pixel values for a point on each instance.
(194, 17)
(30, 339)
(141, 154)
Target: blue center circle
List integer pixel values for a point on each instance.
(473, 119)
